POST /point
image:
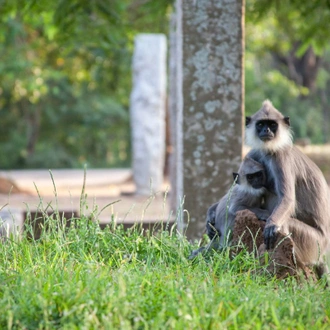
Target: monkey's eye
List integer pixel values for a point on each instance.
(260, 124)
(249, 176)
(273, 125)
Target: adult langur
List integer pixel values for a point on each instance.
(299, 201)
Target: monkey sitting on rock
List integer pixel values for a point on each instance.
(247, 193)
(298, 200)
(294, 199)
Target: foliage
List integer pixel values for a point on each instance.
(84, 277)
(287, 62)
(49, 91)
(293, 20)
(261, 84)
(65, 75)
(65, 80)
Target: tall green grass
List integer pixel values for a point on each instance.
(82, 277)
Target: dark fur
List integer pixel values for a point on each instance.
(243, 196)
(248, 194)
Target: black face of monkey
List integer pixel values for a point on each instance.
(256, 180)
(266, 129)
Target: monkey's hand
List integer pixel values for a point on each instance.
(263, 218)
(270, 235)
(263, 215)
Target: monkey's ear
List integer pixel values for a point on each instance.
(287, 120)
(236, 177)
(247, 120)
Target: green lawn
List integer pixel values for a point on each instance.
(87, 278)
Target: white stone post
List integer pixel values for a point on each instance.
(147, 109)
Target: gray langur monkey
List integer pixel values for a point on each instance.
(247, 193)
(299, 201)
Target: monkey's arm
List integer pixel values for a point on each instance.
(224, 219)
(260, 213)
(210, 221)
(248, 201)
(285, 206)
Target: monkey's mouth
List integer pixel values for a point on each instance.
(266, 138)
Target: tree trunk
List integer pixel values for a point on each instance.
(302, 70)
(209, 119)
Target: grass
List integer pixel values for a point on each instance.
(82, 277)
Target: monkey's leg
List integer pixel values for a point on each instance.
(322, 269)
(310, 243)
(211, 231)
(309, 247)
(194, 253)
(283, 260)
(214, 244)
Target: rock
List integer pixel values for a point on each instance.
(247, 232)
(281, 261)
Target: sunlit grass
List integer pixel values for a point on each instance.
(82, 277)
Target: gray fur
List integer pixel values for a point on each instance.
(241, 197)
(221, 215)
(298, 196)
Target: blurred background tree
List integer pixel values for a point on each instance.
(65, 80)
(65, 75)
(287, 48)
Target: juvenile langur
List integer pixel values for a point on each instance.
(247, 193)
(299, 203)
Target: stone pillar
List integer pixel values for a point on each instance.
(147, 108)
(210, 99)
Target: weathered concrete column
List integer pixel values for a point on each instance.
(147, 108)
(210, 148)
